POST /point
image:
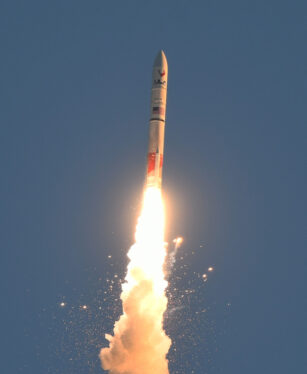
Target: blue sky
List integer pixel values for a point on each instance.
(75, 93)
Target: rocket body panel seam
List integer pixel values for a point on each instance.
(157, 119)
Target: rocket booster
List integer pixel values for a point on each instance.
(157, 121)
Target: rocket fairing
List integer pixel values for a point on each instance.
(157, 121)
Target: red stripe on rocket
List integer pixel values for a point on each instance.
(154, 164)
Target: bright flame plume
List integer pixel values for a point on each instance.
(139, 344)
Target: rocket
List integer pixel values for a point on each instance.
(157, 121)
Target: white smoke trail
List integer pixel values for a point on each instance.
(173, 253)
(139, 344)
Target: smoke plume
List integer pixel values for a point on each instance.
(139, 344)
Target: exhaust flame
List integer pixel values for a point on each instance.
(139, 344)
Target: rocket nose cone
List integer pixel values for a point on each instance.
(160, 59)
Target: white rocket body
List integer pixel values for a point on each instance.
(157, 121)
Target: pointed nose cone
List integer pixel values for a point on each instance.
(160, 60)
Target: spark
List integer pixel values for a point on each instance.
(178, 241)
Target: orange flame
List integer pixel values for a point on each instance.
(139, 344)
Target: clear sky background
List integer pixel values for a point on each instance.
(75, 99)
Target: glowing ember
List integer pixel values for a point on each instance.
(178, 241)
